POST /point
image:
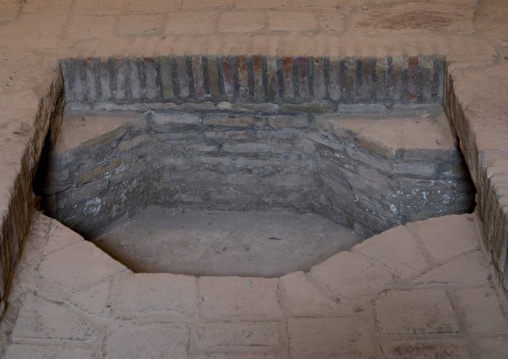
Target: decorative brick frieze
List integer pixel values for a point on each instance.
(255, 79)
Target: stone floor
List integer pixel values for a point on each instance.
(224, 243)
(422, 290)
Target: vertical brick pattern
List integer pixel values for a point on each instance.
(397, 79)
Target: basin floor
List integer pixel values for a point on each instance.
(202, 242)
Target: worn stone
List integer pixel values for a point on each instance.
(173, 297)
(238, 298)
(414, 312)
(147, 341)
(216, 336)
(426, 348)
(330, 338)
(467, 269)
(341, 275)
(482, 311)
(44, 320)
(78, 265)
(397, 250)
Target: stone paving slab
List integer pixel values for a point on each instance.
(128, 315)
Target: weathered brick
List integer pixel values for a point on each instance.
(166, 77)
(150, 82)
(426, 78)
(90, 80)
(135, 81)
(183, 76)
(367, 81)
(272, 78)
(318, 78)
(120, 79)
(398, 65)
(257, 70)
(412, 78)
(381, 75)
(334, 91)
(198, 77)
(213, 78)
(303, 78)
(243, 77)
(349, 79)
(287, 77)
(227, 75)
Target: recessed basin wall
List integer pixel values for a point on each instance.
(239, 161)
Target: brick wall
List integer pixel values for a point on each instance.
(255, 79)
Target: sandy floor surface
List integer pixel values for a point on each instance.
(199, 242)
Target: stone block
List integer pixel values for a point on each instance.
(138, 24)
(146, 341)
(93, 301)
(426, 348)
(304, 299)
(78, 265)
(41, 320)
(331, 338)
(239, 21)
(224, 119)
(397, 250)
(220, 336)
(17, 351)
(351, 275)
(415, 312)
(100, 171)
(197, 23)
(60, 237)
(292, 21)
(482, 310)
(171, 297)
(177, 118)
(468, 269)
(492, 347)
(136, 141)
(239, 298)
(448, 236)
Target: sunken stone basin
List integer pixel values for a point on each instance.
(222, 192)
(249, 165)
